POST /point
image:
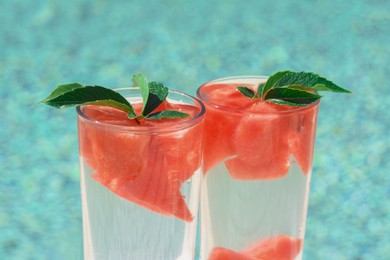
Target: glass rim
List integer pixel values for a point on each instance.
(182, 124)
(238, 111)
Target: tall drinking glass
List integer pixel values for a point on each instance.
(257, 169)
(140, 180)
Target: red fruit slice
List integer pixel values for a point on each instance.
(156, 188)
(302, 136)
(181, 148)
(273, 248)
(147, 169)
(217, 144)
(219, 122)
(255, 138)
(280, 247)
(260, 144)
(220, 253)
(226, 95)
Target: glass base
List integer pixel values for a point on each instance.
(115, 228)
(237, 214)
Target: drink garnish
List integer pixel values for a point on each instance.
(153, 94)
(292, 88)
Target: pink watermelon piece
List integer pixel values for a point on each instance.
(217, 138)
(219, 127)
(279, 247)
(273, 248)
(257, 140)
(226, 95)
(260, 144)
(220, 253)
(147, 169)
(301, 139)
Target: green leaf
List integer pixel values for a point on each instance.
(131, 115)
(271, 82)
(61, 89)
(328, 87)
(157, 94)
(167, 114)
(247, 92)
(260, 89)
(299, 87)
(290, 97)
(66, 96)
(140, 81)
(306, 80)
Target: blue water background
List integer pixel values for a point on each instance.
(185, 43)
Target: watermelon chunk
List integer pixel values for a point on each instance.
(273, 248)
(260, 144)
(226, 95)
(301, 137)
(220, 253)
(255, 139)
(145, 168)
(217, 138)
(219, 128)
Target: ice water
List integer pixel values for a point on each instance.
(115, 228)
(257, 168)
(237, 213)
(140, 180)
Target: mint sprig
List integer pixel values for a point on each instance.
(291, 97)
(75, 94)
(153, 94)
(167, 114)
(157, 94)
(292, 88)
(247, 92)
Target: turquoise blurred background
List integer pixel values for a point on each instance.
(182, 43)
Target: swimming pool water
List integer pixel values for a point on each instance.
(45, 43)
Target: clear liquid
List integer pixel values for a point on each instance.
(115, 228)
(237, 213)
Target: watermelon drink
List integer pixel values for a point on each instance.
(140, 180)
(257, 169)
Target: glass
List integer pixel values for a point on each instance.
(257, 169)
(140, 183)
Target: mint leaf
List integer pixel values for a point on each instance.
(140, 81)
(246, 92)
(293, 88)
(292, 97)
(61, 89)
(75, 95)
(306, 80)
(272, 82)
(157, 94)
(167, 114)
(260, 89)
(153, 95)
(131, 115)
